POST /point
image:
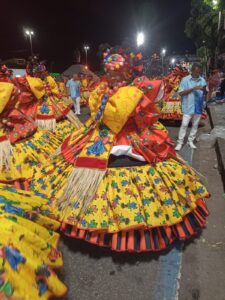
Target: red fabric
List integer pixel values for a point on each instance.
(87, 162)
(20, 124)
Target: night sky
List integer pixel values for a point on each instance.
(61, 27)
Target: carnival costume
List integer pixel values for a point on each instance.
(117, 181)
(28, 248)
(64, 94)
(53, 113)
(171, 104)
(22, 147)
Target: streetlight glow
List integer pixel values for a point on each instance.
(86, 48)
(30, 33)
(163, 51)
(173, 60)
(163, 54)
(140, 39)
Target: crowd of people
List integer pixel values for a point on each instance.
(115, 181)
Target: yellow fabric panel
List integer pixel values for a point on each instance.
(53, 85)
(95, 100)
(120, 106)
(6, 89)
(36, 86)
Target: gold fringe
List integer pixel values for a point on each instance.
(74, 119)
(5, 154)
(81, 187)
(180, 159)
(56, 153)
(47, 124)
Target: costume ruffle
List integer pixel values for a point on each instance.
(28, 248)
(152, 198)
(27, 154)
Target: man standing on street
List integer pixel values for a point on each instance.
(73, 86)
(191, 90)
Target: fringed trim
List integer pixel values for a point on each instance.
(191, 169)
(81, 188)
(5, 154)
(143, 240)
(74, 119)
(49, 124)
(56, 153)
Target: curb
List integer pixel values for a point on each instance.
(220, 144)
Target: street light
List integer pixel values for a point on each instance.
(86, 48)
(30, 33)
(163, 54)
(140, 39)
(216, 6)
(173, 60)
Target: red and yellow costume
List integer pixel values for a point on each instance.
(87, 86)
(28, 248)
(22, 147)
(171, 104)
(52, 112)
(117, 181)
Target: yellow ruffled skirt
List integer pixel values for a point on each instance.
(142, 208)
(26, 155)
(28, 248)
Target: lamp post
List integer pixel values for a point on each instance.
(140, 39)
(215, 4)
(86, 48)
(30, 33)
(163, 54)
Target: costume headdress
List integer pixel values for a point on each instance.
(35, 68)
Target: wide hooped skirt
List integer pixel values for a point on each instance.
(142, 208)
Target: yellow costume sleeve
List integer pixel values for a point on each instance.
(120, 106)
(36, 86)
(6, 89)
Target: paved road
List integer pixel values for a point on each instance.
(191, 271)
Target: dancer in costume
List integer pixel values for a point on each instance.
(22, 147)
(63, 92)
(53, 113)
(171, 104)
(28, 248)
(118, 182)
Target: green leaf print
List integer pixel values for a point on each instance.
(104, 224)
(176, 213)
(114, 184)
(11, 218)
(139, 218)
(152, 171)
(7, 289)
(92, 224)
(122, 174)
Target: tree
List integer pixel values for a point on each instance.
(202, 26)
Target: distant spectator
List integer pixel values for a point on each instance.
(214, 82)
(73, 86)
